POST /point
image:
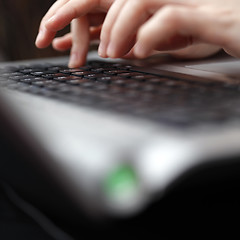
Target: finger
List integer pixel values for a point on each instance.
(175, 27)
(41, 42)
(80, 42)
(52, 10)
(74, 9)
(65, 14)
(196, 51)
(65, 42)
(131, 16)
(62, 43)
(131, 55)
(107, 26)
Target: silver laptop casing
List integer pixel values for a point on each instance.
(84, 147)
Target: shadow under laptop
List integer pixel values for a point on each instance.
(206, 201)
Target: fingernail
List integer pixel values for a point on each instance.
(74, 60)
(111, 50)
(102, 49)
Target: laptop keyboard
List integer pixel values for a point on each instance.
(121, 88)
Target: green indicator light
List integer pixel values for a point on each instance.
(122, 183)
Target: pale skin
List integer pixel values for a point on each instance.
(185, 28)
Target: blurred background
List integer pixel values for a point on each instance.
(19, 22)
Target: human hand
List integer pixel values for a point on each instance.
(85, 17)
(166, 25)
(185, 28)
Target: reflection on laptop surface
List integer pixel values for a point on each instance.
(117, 135)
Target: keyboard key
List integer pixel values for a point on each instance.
(119, 87)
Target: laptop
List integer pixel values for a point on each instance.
(115, 136)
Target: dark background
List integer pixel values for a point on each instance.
(19, 22)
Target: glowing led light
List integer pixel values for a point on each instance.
(121, 184)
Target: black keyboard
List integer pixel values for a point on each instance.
(122, 88)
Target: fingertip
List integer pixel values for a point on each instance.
(44, 38)
(73, 60)
(56, 44)
(39, 39)
(102, 50)
(112, 50)
(76, 60)
(55, 41)
(140, 51)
